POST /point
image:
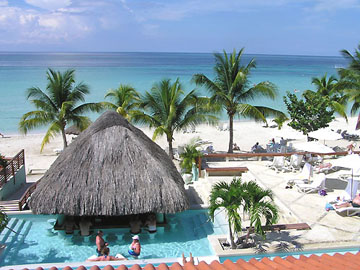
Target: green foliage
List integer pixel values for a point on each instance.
(255, 201)
(258, 203)
(58, 105)
(330, 89)
(229, 197)
(168, 109)
(232, 90)
(3, 220)
(126, 99)
(190, 155)
(280, 120)
(310, 113)
(3, 161)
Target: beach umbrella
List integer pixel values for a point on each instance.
(352, 162)
(288, 134)
(314, 147)
(111, 169)
(325, 134)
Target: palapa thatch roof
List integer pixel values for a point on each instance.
(73, 130)
(112, 168)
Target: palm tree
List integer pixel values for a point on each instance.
(125, 98)
(229, 197)
(190, 155)
(231, 89)
(350, 81)
(169, 109)
(330, 89)
(58, 105)
(258, 203)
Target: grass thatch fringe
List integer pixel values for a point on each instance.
(112, 168)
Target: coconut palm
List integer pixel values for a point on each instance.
(190, 155)
(258, 203)
(125, 99)
(330, 89)
(350, 81)
(168, 109)
(57, 106)
(229, 197)
(232, 91)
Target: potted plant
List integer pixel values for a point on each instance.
(189, 157)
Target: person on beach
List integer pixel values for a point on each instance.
(100, 243)
(135, 247)
(106, 257)
(354, 203)
(236, 147)
(2, 135)
(350, 148)
(255, 147)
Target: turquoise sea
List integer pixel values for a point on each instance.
(102, 71)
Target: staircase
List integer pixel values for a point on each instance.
(9, 206)
(12, 237)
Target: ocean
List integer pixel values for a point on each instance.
(103, 71)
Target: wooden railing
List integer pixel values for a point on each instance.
(12, 167)
(260, 155)
(26, 196)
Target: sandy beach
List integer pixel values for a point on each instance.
(246, 134)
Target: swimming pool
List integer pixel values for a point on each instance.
(34, 242)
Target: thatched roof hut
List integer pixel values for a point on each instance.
(73, 130)
(111, 169)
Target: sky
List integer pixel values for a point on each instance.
(295, 27)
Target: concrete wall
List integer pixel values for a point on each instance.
(13, 184)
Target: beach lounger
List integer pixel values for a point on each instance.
(278, 164)
(315, 186)
(303, 177)
(295, 162)
(348, 211)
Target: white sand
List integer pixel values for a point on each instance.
(245, 135)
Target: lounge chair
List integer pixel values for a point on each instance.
(304, 177)
(295, 162)
(315, 186)
(278, 164)
(348, 211)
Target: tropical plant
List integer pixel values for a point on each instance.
(330, 89)
(3, 220)
(308, 114)
(231, 90)
(57, 106)
(168, 109)
(125, 99)
(3, 161)
(280, 120)
(350, 81)
(258, 203)
(190, 155)
(229, 197)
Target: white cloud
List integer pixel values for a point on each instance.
(49, 4)
(333, 5)
(3, 3)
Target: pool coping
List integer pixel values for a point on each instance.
(311, 247)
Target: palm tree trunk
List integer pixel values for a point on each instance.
(233, 246)
(64, 137)
(171, 154)
(231, 131)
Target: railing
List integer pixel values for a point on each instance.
(26, 196)
(12, 167)
(259, 155)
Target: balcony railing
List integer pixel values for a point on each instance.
(13, 165)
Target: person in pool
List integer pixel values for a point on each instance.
(135, 247)
(106, 256)
(100, 243)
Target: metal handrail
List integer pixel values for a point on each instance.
(12, 167)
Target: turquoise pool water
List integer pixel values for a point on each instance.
(33, 242)
(295, 254)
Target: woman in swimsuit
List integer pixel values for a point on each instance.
(106, 256)
(135, 247)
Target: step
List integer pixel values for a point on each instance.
(10, 207)
(5, 233)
